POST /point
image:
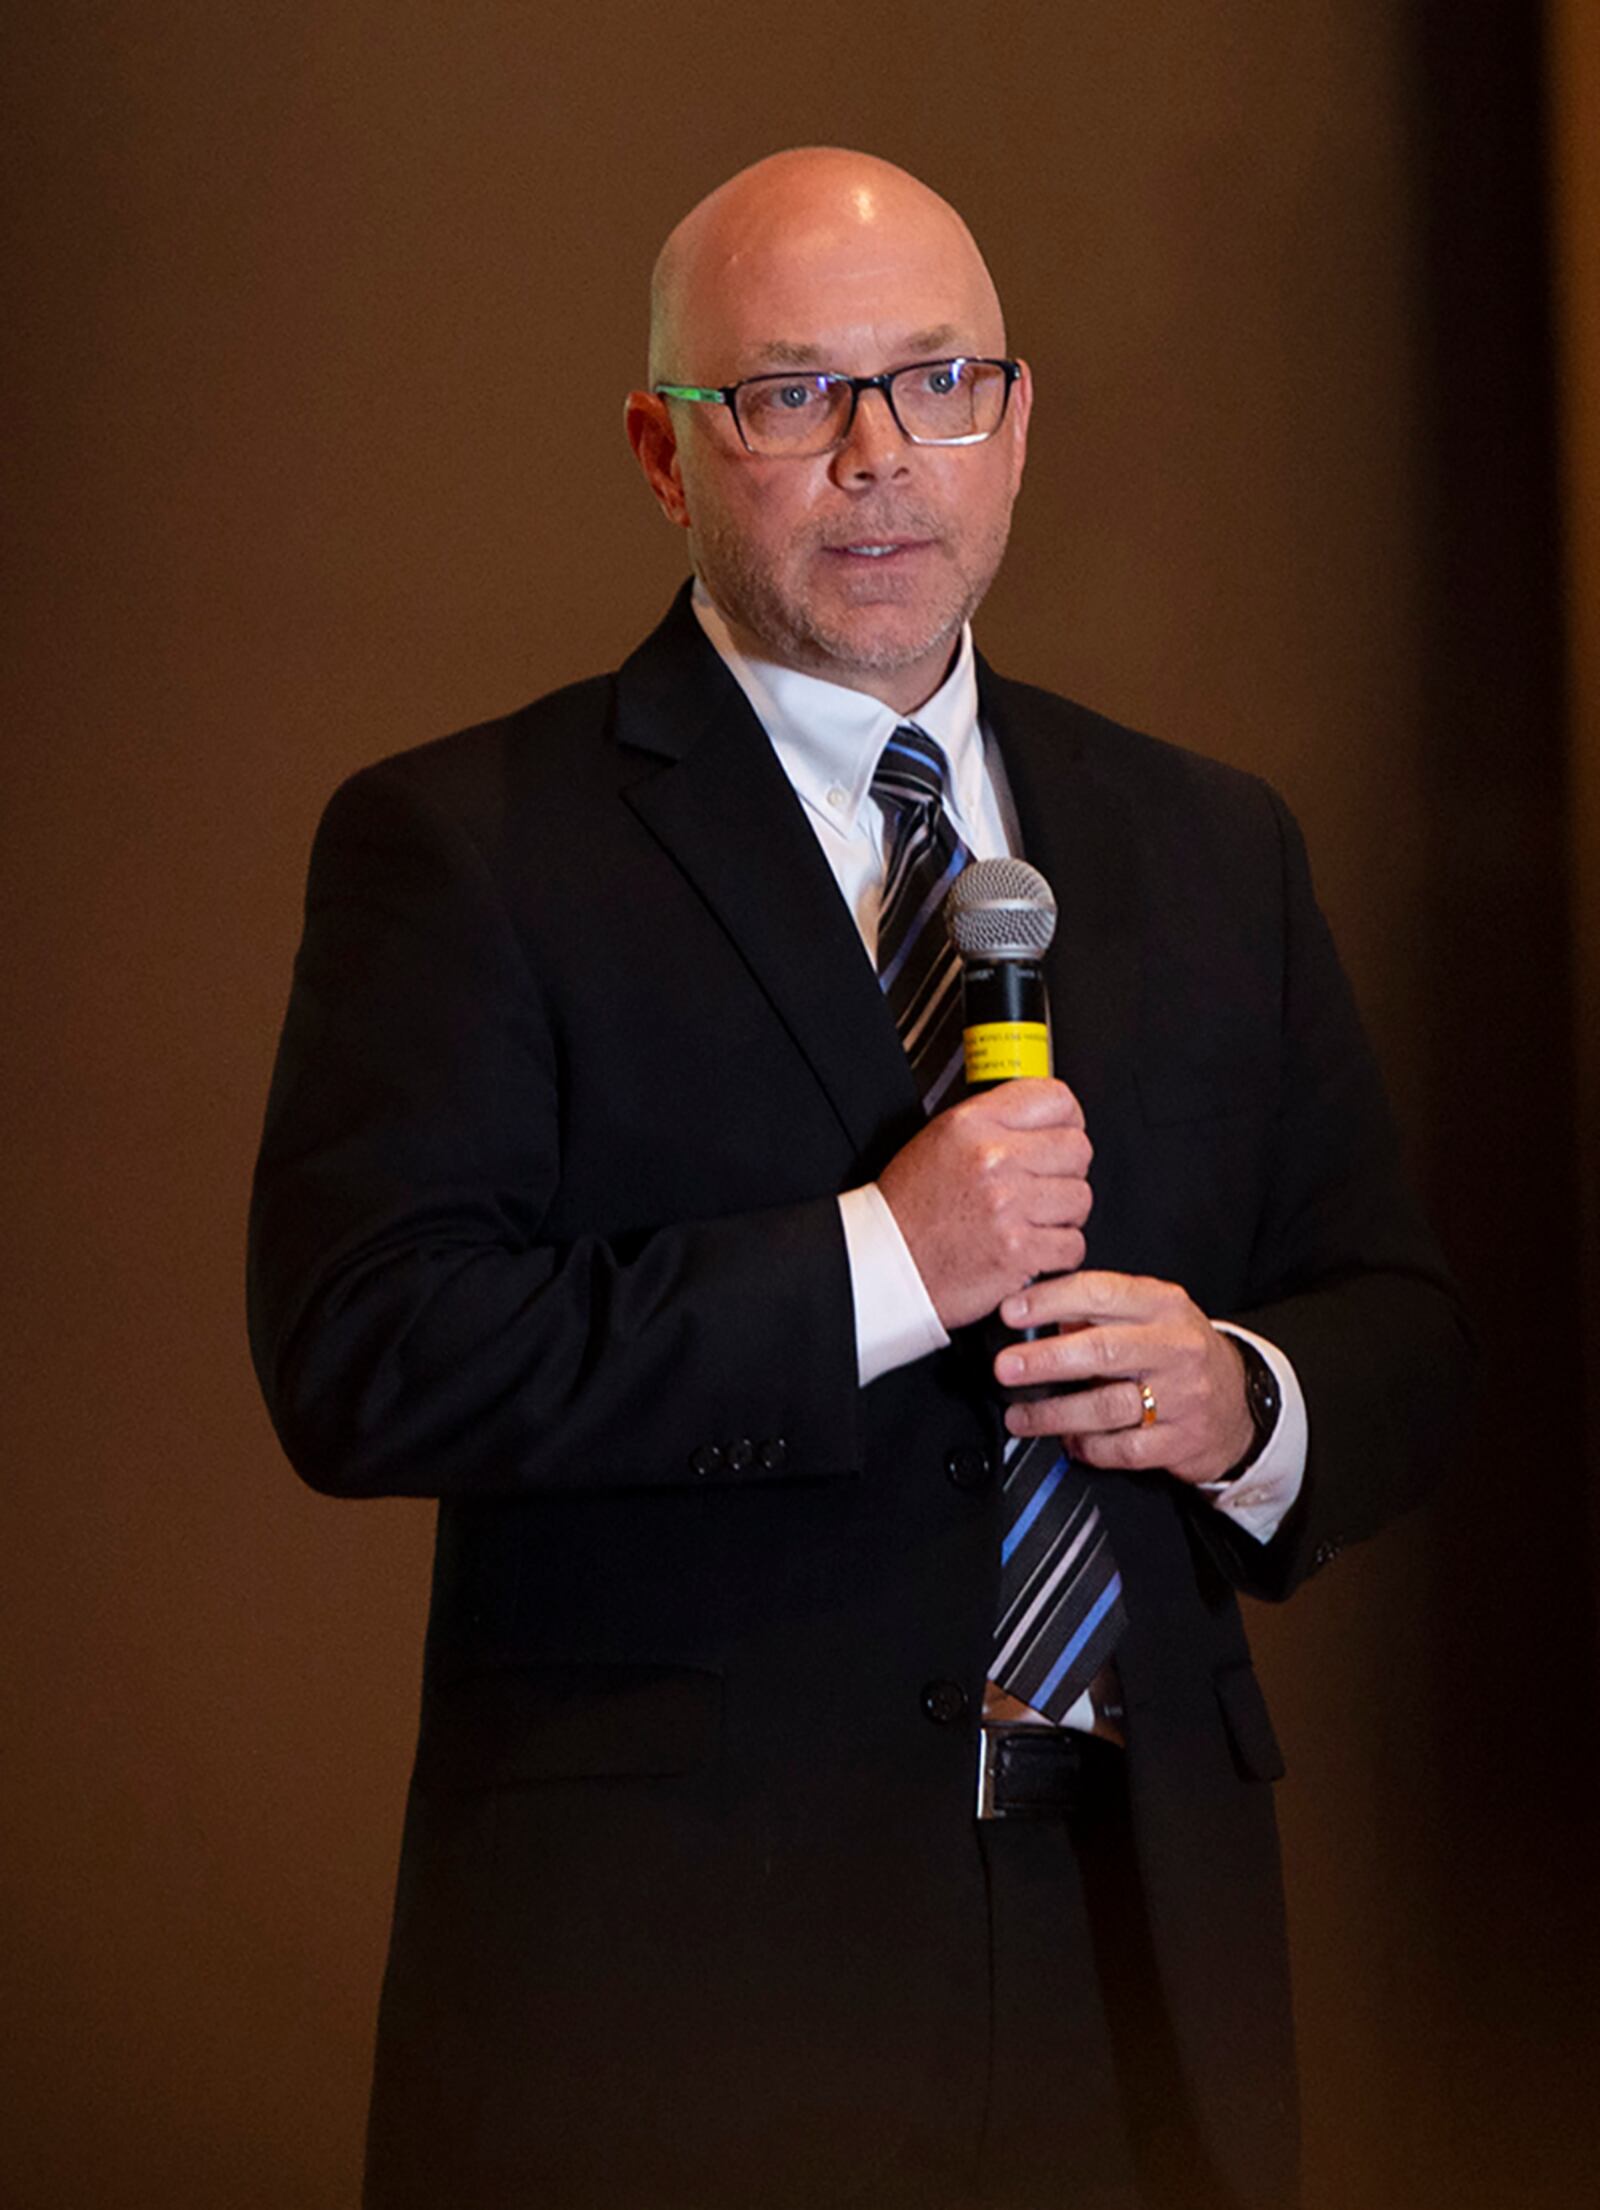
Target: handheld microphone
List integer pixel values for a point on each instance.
(1001, 917)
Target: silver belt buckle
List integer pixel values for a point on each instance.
(988, 1764)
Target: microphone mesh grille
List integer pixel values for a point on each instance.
(1000, 909)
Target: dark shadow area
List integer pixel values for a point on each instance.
(1511, 1710)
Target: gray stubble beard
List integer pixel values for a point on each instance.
(747, 596)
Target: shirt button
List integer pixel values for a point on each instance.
(944, 1702)
(838, 798)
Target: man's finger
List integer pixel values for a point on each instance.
(1052, 1250)
(1091, 1295)
(1046, 1151)
(1120, 1447)
(1058, 1200)
(1037, 1152)
(1032, 1101)
(1086, 1354)
(1115, 1407)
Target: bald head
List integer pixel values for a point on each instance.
(858, 562)
(810, 217)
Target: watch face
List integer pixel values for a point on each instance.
(1263, 1393)
(1261, 1396)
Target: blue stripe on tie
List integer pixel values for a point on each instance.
(907, 789)
(931, 758)
(1097, 1611)
(908, 942)
(1031, 1510)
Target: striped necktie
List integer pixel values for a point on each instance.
(918, 970)
(1061, 1610)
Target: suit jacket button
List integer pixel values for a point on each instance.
(774, 1456)
(741, 1456)
(944, 1702)
(967, 1466)
(707, 1459)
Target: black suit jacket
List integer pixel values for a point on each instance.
(581, 1048)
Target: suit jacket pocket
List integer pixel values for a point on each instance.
(567, 1722)
(1249, 1724)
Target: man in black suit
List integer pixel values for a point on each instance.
(598, 1199)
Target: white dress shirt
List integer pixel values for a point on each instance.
(828, 739)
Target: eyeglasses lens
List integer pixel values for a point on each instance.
(936, 402)
(792, 414)
(945, 401)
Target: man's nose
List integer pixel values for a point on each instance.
(876, 445)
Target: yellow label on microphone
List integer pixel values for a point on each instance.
(1000, 1051)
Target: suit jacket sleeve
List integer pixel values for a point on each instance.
(415, 1327)
(1346, 1276)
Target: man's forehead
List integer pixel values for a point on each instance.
(838, 305)
(937, 338)
(803, 256)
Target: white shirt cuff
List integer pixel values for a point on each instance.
(895, 1319)
(1260, 1499)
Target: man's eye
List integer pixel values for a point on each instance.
(794, 396)
(942, 379)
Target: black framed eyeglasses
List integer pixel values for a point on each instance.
(800, 413)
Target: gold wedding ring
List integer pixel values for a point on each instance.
(1147, 1397)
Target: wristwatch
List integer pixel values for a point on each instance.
(1264, 1401)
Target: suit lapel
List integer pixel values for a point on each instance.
(1079, 834)
(715, 797)
(712, 792)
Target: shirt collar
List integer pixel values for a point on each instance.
(828, 737)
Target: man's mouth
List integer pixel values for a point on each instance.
(879, 548)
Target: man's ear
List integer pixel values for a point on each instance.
(1021, 412)
(655, 447)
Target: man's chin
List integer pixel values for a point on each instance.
(858, 646)
(884, 641)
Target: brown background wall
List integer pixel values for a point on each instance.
(1574, 160)
(319, 324)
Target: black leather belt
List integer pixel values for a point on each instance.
(1041, 1772)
